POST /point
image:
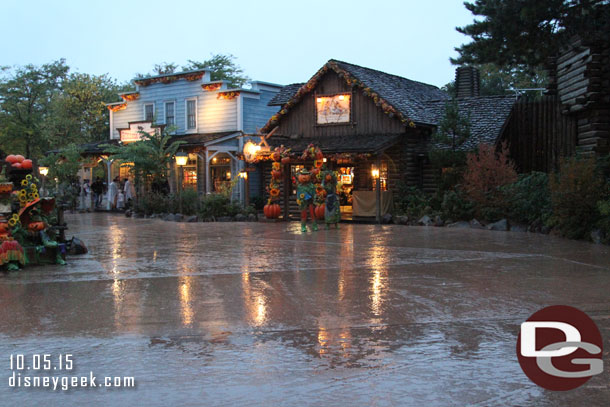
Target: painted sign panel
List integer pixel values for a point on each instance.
(333, 109)
(134, 132)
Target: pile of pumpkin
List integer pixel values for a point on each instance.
(279, 156)
(19, 162)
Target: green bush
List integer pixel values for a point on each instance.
(214, 205)
(258, 202)
(529, 199)
(456, 206)
(412, 202)
(449, 167)
(151, 203)
(190, 202)
(575, 193)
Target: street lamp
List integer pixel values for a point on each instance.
(43, 171)
(375, 174)
(244, 175)
(181, 160)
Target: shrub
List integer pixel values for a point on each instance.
(448, 167)
(214, 205)
(258, 202)
(456, 206)
(575, 192)
(190, 201)
(604, 222)
(148, 204)
(529, 198)
(487, 171)
(412, 201)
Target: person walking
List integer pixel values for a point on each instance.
(113, 193)
(129, 192)
(86, 196)
(98, 192)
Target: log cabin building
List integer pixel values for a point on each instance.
(370, 122)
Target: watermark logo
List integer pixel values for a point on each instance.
(560, 348)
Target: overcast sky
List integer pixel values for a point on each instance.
(274, 41)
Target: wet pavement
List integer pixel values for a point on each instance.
(260, 314)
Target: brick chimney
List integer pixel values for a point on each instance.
(467, 81)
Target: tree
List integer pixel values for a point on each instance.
(526, 32)
(222, 67)
(63, 171)
(25, 100)
(149, 159)
(79, 113)
(453, 128)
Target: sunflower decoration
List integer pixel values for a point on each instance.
(274, 192)
(14, 220)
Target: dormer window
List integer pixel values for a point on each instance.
(333, 109)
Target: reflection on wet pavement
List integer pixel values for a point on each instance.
(260, 314)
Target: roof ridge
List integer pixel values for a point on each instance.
(384, 73)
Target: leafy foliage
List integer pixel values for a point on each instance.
(453, 128)
(456, 206)
(412, 201)
(575, 193)
(25, 106)
(449, 167)
(148, 158)
(511, 32)
(487, 171)
(529, 199)
(62, 177)
(222, 67)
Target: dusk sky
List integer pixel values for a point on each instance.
(274, 41)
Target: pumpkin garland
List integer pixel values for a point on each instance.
(280, 155)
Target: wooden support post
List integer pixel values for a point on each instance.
(287, 188)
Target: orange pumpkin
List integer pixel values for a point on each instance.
(11, 159)
(276, 174)
(276, 156)
(26, 164)
(303, 178)
(272, 211)
(286, 160)
(4, 228)
(16, 165)
(328, 178)
(36, 226)
(319, 211)
(19, 158)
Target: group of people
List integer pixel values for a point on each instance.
(120, 194)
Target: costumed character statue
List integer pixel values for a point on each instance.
(305, 197)
(332, 210)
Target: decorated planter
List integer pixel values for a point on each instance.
(6, 187)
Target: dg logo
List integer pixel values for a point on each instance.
(560, 348)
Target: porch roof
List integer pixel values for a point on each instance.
(201, 139)
(367, 143)
(93, 148)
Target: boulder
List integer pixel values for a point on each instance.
(518, 228)
(438, 221)
(475, 224)
(224, 219)
(387, 218)
(501, 225)
(240, 217)
(170, 217)
(545, 230)
(401, 220)
(178, 217)
(596, 236)
(191, 219)
(459, 225)
(252, 218)
(425, 221)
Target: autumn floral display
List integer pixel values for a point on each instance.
(211, 87)
(227, 95)
(117, 107)
(166, 79)
(130, 97)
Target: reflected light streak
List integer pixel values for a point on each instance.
(186, 308)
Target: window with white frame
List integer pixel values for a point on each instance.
(170, 114)
(149, 112)
(191, 114)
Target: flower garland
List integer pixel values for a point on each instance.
(211, 87)
(116, 108)
(279, 156)
(351, 81)
(130, 97)
(227, 95)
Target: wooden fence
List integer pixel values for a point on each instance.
(538, 134)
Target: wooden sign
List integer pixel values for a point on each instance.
(134, 132)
